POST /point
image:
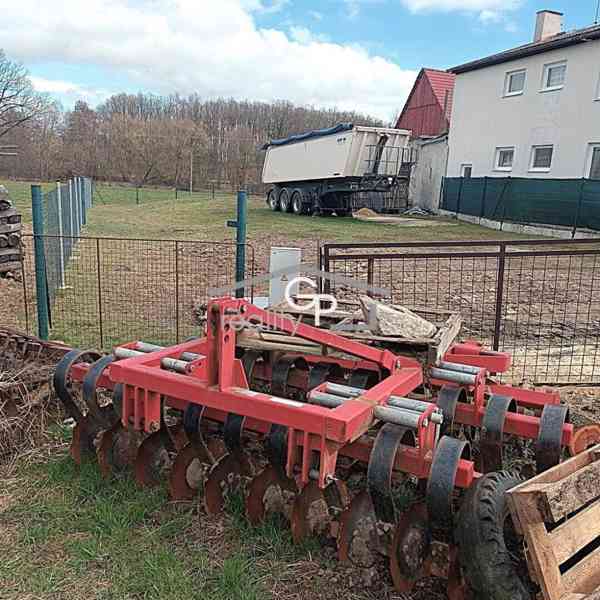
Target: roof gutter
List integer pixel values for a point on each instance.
(562, 41)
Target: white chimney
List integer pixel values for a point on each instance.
(547, 24)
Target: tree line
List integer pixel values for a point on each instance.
(146, 139)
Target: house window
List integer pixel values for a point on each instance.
(466, 171)
(515, 83)
(541, 158)
(594, 162)
(597, 96)
(504, 158)
(554, 76)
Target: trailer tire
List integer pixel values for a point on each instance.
(298, 202)
(484, 557)
(284, 200)
(273, 200)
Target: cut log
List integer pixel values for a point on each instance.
(397, 321)
(9, 227)
(3, 241)
(14, 239)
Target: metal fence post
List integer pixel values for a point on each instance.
(240, 249)
(77, 205)
(499, 296)
(83, 201)
(41, 284)
(460, 187)
(72, 230)
(578, 211)
(482, 210)
(61, 239)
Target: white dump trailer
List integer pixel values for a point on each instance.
(338, 169)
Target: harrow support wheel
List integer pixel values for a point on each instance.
(411, 548)
(482, 535)
(270, 492)
(314, 509)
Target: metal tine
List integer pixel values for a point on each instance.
(454, 376)
(459, 367)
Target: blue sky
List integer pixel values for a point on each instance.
(353, 54)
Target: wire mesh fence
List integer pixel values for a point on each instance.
(538, 300)
(117, 290)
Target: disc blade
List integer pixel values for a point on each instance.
(358, 541)
(224, 478)
(269, 493)
(411, 548)
(188, 471)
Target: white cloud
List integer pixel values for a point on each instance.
(69, 90)
(213, 48)
(464, 5)
(488, 11)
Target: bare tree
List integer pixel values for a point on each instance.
(19, 102)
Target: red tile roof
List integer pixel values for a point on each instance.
(442, 83)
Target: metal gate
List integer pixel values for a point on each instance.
(538, 299)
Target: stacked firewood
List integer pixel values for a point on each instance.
(11, 248)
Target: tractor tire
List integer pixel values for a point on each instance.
(273, 200)
(298, 202)
(481, 535)
(284, 200)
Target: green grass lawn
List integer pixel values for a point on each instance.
(138, 291)
(66, 533)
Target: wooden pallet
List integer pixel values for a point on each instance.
(558, 513)
(430, 350)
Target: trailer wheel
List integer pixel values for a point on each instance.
(284, 200)
(272, 199)
(297, 207)
(486, 541)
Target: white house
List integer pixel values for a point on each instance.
(533, 111)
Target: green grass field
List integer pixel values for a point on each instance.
(66, 533)
(200, 217)
(138, 293)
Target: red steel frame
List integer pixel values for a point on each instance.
(218, 382)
